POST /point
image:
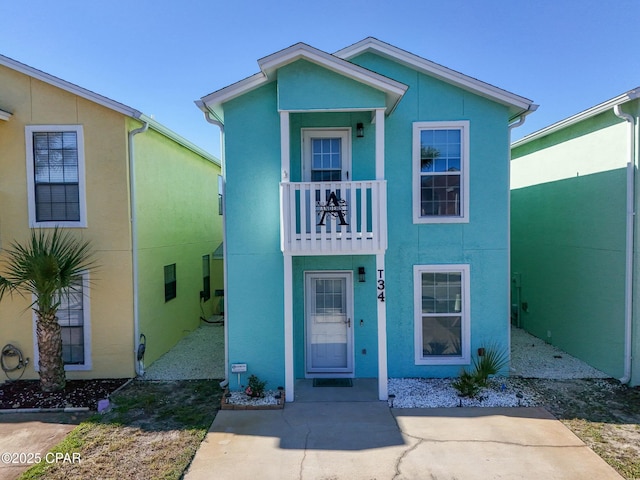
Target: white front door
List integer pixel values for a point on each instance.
(326, 155)
(329, 312)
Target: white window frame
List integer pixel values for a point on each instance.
(465, 313)
(86, 318)
(29, 131)
(337, 132)
(463, 126)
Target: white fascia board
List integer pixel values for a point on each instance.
(214, 100)
(436, 70)
(579, 117)
(104, 101)
(5, 115)
(69, 87)
(158, 127)
(270, 64)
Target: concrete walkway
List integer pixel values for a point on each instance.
(367, 440)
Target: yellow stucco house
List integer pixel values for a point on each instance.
(145, 197)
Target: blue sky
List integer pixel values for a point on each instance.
(159, 56)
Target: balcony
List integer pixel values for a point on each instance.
(333, 218)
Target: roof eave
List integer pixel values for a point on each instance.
(578, 117)
(69, 87)
(270, 64)
(104, 101)
(516, 103)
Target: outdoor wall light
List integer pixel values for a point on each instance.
(360, 130)
(361, 275)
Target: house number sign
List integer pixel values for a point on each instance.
(381, 285)
(333, 207)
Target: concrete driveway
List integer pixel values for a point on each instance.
(368, 440)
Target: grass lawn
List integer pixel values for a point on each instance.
(152, 432)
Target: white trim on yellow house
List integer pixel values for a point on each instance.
(5, 115)
(104, 101)
(82, 196)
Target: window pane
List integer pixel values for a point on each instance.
(441, 336)
(170, 284)
(56, 176)
(440, 150)
(326, 159)
(440, 194)
(71, 319)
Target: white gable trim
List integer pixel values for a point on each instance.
(69, 87)
(100, 100)
(578, 117)
(433, 69)
(270, 64)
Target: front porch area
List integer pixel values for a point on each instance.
(363, 390)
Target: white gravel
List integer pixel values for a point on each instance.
(530, 358)
(200, 355)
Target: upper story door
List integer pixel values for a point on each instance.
(326, 155)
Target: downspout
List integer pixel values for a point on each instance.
(628, 287)
(138, 362)
(523, 117)
(220, 125)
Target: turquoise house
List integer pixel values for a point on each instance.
(366, 205)
(575, 257)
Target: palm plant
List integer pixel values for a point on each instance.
(48, 267)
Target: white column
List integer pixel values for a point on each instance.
(383, 391)
(289, 379)
(285, 166)
(285, 149)
(379, 121)
(382, 328)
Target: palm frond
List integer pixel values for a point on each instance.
(45, 266)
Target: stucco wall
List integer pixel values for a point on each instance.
(36, 103)
(568, 238)
(255, 288)
(178, 222)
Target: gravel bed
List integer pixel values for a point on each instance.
(241, 398)
(531, 357)
(198, 356)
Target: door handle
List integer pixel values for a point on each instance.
(348, 323)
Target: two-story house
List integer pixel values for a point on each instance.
(145, 197)
(366, 215)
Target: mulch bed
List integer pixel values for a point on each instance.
(77, 394)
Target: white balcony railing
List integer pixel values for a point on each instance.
(329, 218)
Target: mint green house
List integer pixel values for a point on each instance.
(575, 258)
(366, 215)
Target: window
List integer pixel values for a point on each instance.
(55, 182)
(170, 284)
(442, 323)
(206, 278)
(440, 172)
(73, 317)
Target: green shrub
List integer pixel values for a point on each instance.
(469, 384)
